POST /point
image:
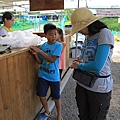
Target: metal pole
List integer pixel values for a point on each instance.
(86, 3)
(76, 43)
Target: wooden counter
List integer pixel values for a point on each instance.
(18, 77)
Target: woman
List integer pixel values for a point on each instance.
(8, 21)
(93, 102)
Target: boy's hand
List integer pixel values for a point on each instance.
(33, 52)
(34, 49)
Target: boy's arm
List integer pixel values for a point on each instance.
(47, 57)
(36, 56)
(37, 59)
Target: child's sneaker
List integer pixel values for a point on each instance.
(44, 116)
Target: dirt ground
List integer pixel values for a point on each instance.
(69, 108)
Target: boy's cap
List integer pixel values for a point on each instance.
(81, 18)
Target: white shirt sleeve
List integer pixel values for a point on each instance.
(3, 32)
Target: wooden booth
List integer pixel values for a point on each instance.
(18, 76)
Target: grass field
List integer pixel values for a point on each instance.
(26, 25)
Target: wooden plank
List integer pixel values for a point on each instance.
(1, 101)
(34, 106)
(32, 84)
(41, 34)
(17, 105)
(67, 40)
(5, 91)
(36, 5)
(23, 78)
(11, 83)
(27, 103)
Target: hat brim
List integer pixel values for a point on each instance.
(76, 28)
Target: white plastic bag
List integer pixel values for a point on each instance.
(18, 39)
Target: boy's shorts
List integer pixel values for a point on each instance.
(43, 85)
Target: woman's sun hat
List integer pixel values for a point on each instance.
(81, 18)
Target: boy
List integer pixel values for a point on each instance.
(48, 75)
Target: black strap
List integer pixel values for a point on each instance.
(103, 76)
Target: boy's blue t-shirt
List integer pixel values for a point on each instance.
(50, 70)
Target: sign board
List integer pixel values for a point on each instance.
(37, 5)
(108, 12)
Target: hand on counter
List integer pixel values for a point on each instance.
(34, 50)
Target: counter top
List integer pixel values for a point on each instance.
(18, 51)
(13, 52)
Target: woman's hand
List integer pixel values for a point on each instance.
(74, 65)
(78, 59)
